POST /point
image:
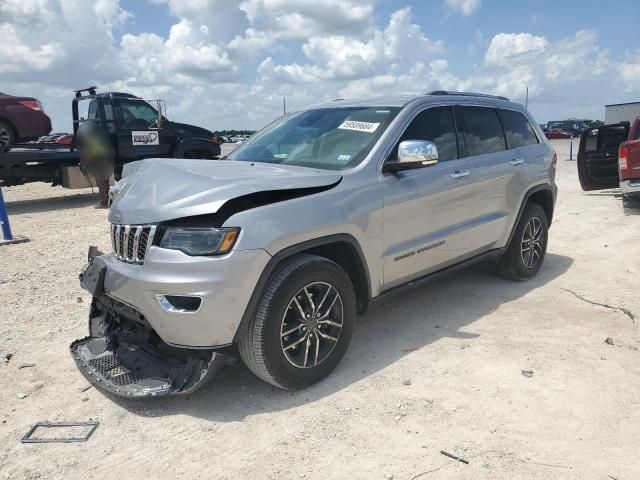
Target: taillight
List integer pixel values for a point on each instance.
(554, 160)
(32, 104)
(623, 154)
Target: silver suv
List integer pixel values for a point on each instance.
(272, 252)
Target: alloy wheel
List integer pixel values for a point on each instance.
(532, 245)
(311, 325)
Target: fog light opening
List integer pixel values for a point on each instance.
(179, 303)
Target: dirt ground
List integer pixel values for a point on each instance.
(461, 342)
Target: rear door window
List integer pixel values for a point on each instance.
(517, 129)
(482, 131)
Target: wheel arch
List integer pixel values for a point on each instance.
(342, 249)
(544, 196)
(11, 126)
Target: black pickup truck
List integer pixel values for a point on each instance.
(134, 127)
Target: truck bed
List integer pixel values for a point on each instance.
(32, 162)
(22, 154)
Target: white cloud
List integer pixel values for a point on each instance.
(508, 48)
(341, 57)
(464, 7)
(302, 18)
(228, 63)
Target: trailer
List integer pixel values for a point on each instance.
(133, 128)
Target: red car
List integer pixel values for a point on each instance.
(554, 133)
(21, 119)
(57, 138)
(609, 157)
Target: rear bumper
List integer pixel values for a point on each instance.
(32, 124)
(630, 187)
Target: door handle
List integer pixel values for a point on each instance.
(517, 161)
(460, 174)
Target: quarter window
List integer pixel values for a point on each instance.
(436, 125)
(518, 130)
(482, 131)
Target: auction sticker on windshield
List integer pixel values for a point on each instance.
(367, 127)
(145, 138)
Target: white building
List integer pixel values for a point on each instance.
(621, 112)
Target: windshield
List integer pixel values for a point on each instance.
(327, 138)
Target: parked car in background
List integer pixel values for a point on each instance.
(609, 157)
(275, 250)
(555, 134)
(573, 127)
(57, 138)
(21, 119)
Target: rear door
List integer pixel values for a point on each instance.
(598, 156)
(495, 171)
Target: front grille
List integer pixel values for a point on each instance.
(131, 242)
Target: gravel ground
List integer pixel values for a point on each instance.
(433, 368)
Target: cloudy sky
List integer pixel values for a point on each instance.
(228, 63)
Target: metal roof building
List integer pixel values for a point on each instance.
(621, 112)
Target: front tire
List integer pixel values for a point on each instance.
(525, 254)
(303, 324)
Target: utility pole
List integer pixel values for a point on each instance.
(284, 105)
(526, 100)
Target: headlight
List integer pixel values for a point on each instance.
(200, 241)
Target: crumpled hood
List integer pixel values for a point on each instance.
(166, 189)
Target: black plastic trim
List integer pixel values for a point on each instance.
(491, 255)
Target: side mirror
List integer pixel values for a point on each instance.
(157, 123)
(413, 154)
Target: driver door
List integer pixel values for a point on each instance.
(428, 212)
(137, 136)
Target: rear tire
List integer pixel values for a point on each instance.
(303, 324)
(525, 254)
(7, 135)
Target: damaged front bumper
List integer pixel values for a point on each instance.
(125, 356)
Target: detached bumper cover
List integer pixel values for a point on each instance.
(125, 356)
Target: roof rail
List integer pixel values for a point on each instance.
(466, 94)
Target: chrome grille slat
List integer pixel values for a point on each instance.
(131, 242)
(125, 242)
(117, 240)
(136, 244)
